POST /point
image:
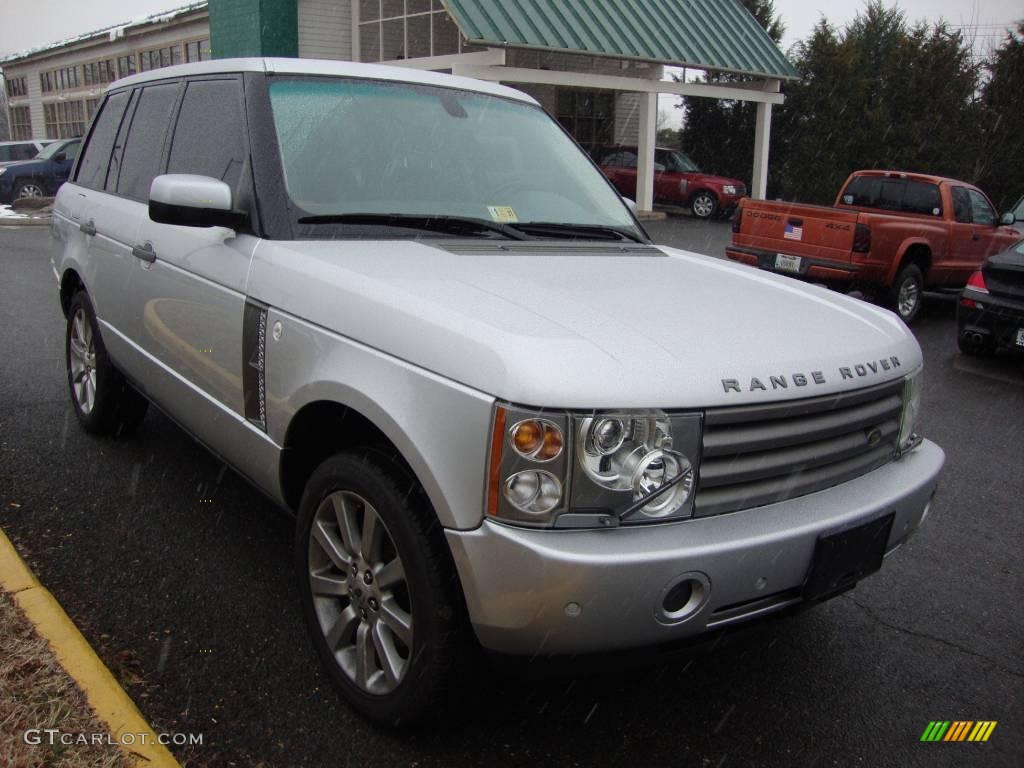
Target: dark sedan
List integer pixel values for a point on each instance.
(991, 311)
(41, 176)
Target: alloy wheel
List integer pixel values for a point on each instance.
(30, 190)
(703, 206)
(909, 296)
(360, 593)
(83, 362)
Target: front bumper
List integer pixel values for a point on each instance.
(562, 592)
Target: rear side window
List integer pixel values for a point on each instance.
(961, 205)
(92, 172)
(140, 161)
(209, 138)
(888, 194)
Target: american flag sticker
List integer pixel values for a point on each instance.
(793, 232)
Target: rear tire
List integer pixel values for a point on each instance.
(380, 595)
(907, 293)
(103, 401)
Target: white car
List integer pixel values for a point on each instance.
(13, 151)
(410, 310)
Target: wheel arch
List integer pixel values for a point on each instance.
(912, 251)
(323, 427)
(70, 283)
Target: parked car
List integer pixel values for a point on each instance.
(42, 176)
(12, 151)
(990, 315)
(677, 180)
(890, 234)
(412, 312)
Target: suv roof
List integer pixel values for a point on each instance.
(320, 67)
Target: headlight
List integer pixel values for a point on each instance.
(592, 470)
(729, 189)
(3, 171)
(911, 410)
(624, 457)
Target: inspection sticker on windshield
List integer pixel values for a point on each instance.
(503, 214)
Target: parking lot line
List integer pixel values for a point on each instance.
(106, 697)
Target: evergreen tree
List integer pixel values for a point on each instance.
(1003, 99)
(717, 134)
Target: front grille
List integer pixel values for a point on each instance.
(762, 454)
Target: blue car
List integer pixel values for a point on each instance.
(42, 175)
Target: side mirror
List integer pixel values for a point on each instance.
(187, 200)
(631, 204)
(60, 157)
(1008, 220)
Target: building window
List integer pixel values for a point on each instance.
(588, 115)
(166, 56)
(64, 119)
(21, 123)
(126, 65)
(407, 29)
(90, 108)
(16, 87)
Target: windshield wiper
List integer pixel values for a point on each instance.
(453, 225)
(557, 229)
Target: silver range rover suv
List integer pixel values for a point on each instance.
(411, 310)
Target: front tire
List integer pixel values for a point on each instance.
(380, 595)
(704, 205)
(103, 401)
(29, 189)
(907, 293)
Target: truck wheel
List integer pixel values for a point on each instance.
(704, 205)
(907, 293)
(380, 594)
(103, 401)
(29, 189)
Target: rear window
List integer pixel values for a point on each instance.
(889, 194)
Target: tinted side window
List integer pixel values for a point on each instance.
(961, 205)
(24, 152)
(140, 162)
(92, 172)
(922, 197)
(5, 153)
(209, 138)
(981, 211)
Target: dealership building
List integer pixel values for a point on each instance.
(598, 67)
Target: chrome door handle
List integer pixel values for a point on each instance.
(144, 252)
(88, 227)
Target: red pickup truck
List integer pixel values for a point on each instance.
(889, 234)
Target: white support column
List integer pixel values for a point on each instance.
(645, 152)
(762, 138)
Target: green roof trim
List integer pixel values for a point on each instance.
(706, 34)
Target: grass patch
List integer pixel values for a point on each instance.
(36, 692)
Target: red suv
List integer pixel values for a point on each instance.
(677, 180)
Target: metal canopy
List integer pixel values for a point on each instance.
(707, 34)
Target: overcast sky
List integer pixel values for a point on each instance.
(29, 23)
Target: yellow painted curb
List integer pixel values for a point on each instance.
(112, 705)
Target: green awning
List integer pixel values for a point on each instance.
(706, 34)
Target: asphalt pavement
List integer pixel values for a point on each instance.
(193, 605)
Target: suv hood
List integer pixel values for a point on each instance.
(594, 325)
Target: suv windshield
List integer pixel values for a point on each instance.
(401, 149)
(678, 162)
